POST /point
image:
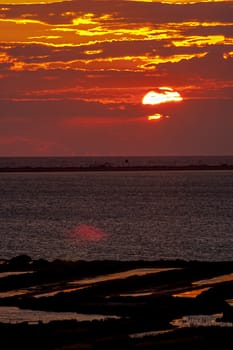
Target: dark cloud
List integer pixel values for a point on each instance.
(209, 30)
(123, 11)
(196, 127)
(59, 110)
(213, 65)
(38, 53)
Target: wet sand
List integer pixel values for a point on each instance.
(112, 304)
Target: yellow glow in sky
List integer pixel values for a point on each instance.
(21, 2)
(157, 116)
(179, 1)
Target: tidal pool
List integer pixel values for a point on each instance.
(188, 321)
(13, 314)
(201, 320)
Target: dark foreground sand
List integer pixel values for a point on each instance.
(144, 297)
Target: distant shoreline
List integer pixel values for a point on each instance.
(105, 167)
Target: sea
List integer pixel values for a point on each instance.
(116, 215)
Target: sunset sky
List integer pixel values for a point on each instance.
(73, 75)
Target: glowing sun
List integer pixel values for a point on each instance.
(161, 95)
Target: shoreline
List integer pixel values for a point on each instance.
(108, 168)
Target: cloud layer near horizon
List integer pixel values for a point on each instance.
(73, 75)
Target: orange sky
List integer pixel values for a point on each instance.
(73, 75)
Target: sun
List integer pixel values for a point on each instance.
(161, 95)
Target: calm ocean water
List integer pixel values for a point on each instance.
(117, 215)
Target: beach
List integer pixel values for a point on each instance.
(134, 304)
